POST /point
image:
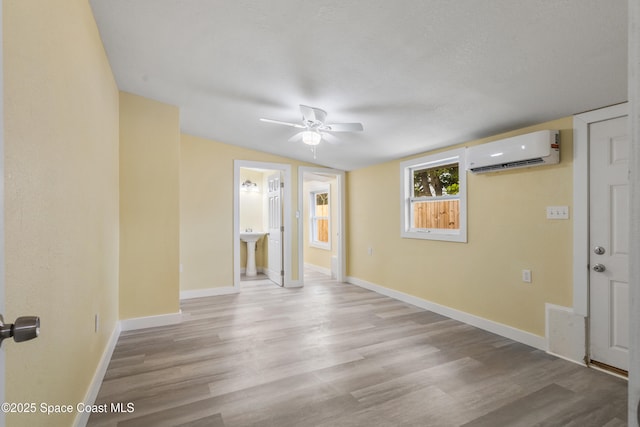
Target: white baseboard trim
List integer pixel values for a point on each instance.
(123, 325)
(243, 270)
(151, 321)
(96, 382)
(293, 284)
(501, 329)
(208, 292)
(317, 268)
(559, 356)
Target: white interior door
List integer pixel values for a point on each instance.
(609, 242)
(275, 270)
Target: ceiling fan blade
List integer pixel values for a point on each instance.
(296, 138)
(278, 122)
(344, 127)
(331, 139)
(311, 114)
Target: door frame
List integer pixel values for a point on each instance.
(581, 250)
(338, 226)
(2, 266)
(581, 237)
(287, 239)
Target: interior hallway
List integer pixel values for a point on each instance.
(333, 354)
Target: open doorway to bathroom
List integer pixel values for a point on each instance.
(321, 208)
(261, 238)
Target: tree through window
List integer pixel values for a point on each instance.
(434, 200)
(433, 182)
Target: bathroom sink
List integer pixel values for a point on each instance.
(251, 236)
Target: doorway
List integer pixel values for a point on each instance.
(262, 231)
(609, 243)
(273, 221)
(601, 234)
(321, 223)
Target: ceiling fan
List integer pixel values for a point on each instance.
(315, 128)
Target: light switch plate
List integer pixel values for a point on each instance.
(557, 212)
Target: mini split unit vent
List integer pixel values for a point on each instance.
(532, 149)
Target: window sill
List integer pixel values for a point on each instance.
(454, 236)
(325, 246)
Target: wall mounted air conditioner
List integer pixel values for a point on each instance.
(532, 149)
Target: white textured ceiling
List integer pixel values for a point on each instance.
(419, 74)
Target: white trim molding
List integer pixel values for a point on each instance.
(295, 283)
(151, 321)
(287, 209)
(82, 418)
(96, 382)
(633, 76)
(208, 292)
(243, 270)
(506, 331)
(2, 227)
(407, 168)
(339, 224)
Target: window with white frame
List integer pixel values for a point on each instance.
(319, 216)
(434, 197)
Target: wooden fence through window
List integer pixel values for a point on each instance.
(323, 230)
(437, 214)
(322, 224)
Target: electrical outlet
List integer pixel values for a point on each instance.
(370, 250)
(557, 212)
(526, 276)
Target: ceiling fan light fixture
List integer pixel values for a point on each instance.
(311, 138)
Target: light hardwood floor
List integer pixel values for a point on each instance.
(332, 354)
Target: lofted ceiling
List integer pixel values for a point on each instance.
(419, 74)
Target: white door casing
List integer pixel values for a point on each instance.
(275, 270)
(285, 169)
(2, 267)
(338, 223)
(609, 231)
(634, 249)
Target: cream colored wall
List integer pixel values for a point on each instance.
(313, 255)
(61, 201)
(251, 202)
(206, 210)
(507, 232)
(149, 207)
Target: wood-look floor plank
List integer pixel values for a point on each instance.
(332, 354)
